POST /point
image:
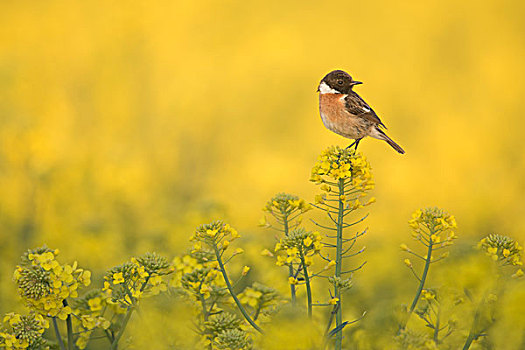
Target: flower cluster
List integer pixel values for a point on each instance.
(341, 163)
(197, 274)
(89, 310)
(282, 206)
(259, 297)
(503, 249)
(224, 331)
(432, 219)
(126, 284)
(203, 282)
(44, 284)
(299, 244)
(433, 226)
(340, 283)
(187, 263)
(214, 234)
(23, 332)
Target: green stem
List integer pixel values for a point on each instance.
(230, 289)
(257, 312)
(329, 325)
(125, 321)
(307, 282)
(338, 265)
(421, 283)
(290, 267)
(69, 325)
(57, 334)
(204, 311)
(472, 334)
(205, 315)
(436, 326)
(470, 339)
(129, 311)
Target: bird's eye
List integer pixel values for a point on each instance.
(340, 82)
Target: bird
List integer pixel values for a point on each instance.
(344, 112)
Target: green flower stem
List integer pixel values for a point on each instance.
(69, 325)
(57, 334)
(125, 321)
(339, 263)
(472, 334)
(257, 312)
(290, 267)
(203, 303)
(470, 339)
(422, 282)
(230, 289)
(204, 313)
(436, 327)
(307, 282)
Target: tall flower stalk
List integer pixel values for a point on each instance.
(299, 247)
(344, 177)
(216, 237)
(432, 228)
(507, 256)
(286, 210)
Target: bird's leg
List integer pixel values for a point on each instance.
(353, 143)
(357, 143)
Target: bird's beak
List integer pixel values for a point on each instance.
(355, 82)
(318, 89)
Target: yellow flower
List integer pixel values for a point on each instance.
(95, 304)
(333, 301)
(280, 261)
(197, 246)
(518, 273)
(408, 263)
(325, 188)
(136, 293)
(64, 312)
(85, 278)
(292, 280)
(370, 201)
(330, 264)
(428, 295)
(212, 233)
(142, 272)
(245, 270)
(307, 241)
(234, 234)
(205, 290)
(107, 286)
(118, 278)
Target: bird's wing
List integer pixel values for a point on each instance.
(355, 105)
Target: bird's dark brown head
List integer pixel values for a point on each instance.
(337, 82)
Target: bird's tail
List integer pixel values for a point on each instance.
(382, 136)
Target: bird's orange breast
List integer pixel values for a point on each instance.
(337, 119)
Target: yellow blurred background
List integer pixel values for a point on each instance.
(124, 124)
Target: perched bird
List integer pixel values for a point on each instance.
(344, 112)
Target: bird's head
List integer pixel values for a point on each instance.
(337, 82)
